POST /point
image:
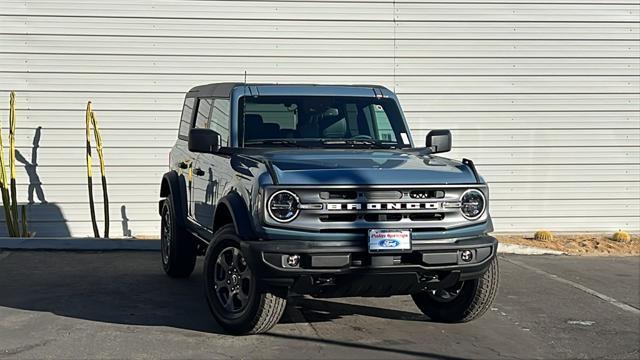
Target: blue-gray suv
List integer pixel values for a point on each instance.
(319, 190)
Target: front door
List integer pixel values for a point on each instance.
(204, 188)
(181, 158)
(206, 178)
(199, 167)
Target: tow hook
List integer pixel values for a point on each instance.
(432, 282)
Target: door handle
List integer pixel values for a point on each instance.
(183, 165)
(198, 172)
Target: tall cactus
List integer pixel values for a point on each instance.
(92, 207)
(4, 188)
(12, 156)
(90, 121)
(8, 188)
(103, 173)
(25, 227)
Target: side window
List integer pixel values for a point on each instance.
(185, 119)
(204, 110)
(220, 120)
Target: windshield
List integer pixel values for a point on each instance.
(322, 121)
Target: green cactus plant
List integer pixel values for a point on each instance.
(543, 235)
(621, 236)
(8, 188)
(92, 122)
(6, 198)
(25, 227)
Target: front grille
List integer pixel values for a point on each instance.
(381, 206)
(370, 207)
(342, 209)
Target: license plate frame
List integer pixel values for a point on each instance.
(380, 241)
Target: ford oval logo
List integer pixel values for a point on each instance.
(389, 243)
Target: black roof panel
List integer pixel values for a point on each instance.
(216, 90)
(224, 89)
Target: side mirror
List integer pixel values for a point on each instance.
(204, 141)
(439, 141)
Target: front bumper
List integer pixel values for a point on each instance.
(345, 267)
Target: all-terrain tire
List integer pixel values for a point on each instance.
(473, 300)
(263, 309)
(178, 247)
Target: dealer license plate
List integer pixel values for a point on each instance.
(389, 240)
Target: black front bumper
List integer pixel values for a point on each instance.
(346, 268)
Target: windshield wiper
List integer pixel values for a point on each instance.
(283, 142)
(370, 142)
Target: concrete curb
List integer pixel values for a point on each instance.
(93, 244)
(79, 244)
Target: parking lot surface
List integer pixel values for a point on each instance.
(79, 305)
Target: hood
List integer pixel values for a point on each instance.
(362, 167)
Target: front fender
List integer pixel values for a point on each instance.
(239, 214)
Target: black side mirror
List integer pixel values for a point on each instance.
(439, 141)
(204, 141)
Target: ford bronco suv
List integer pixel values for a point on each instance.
(319, 190)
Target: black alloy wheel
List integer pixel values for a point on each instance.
(232, 280)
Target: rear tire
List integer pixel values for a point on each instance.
(465, 301)
(178, 247)
(235, 298)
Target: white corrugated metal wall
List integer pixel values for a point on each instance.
(542, 94)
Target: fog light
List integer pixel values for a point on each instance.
(466, 255)
(293, 260)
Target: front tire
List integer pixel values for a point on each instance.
(234, 296)
(465, 301)
(177, 247)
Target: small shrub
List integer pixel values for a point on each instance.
(543, 235)
(621, 236)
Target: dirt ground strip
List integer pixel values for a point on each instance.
(579, 244)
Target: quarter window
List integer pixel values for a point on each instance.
(220, 120)
(185, 119)
(204, 110)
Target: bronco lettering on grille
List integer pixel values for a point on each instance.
(382, 206)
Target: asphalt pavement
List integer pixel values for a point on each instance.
(118, 304)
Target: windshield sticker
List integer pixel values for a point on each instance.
(405, 138)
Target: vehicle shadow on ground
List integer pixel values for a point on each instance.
(322, 310)
(110, 287)
(131, 289)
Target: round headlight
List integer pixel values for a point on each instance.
(283, 206)
(472, 204)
